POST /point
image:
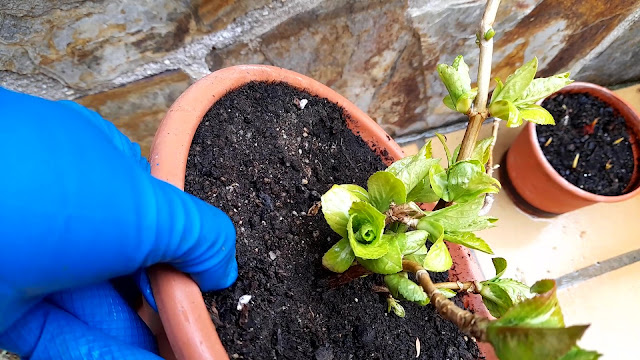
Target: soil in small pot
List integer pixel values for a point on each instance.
(589, 129)
(265, 160)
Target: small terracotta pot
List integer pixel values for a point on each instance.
(182, 310)
(537, 188)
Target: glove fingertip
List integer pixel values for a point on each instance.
(218, 278)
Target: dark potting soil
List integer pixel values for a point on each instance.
(265, 162)
(589, 127)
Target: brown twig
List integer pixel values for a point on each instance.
(479, 111)
(469, 286)
(469, 323)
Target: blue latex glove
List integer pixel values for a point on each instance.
(78, 207)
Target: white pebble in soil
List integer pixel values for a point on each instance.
(244, 300)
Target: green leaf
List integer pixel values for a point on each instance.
(521, 330)
(340, 257)
(518, 82)
(458, 83)
(465, 100)
(449, 103)
(467, 180)
(423, 193)
(418, 256)
(540, 88)
(468, 239)
(532, 343)
(438, 258)
(335, 206)
(461, 217)
(402, 288)
(357, 191)
(443, 140)
(433, 228)
(385, 188)
(577, 353)
(542, 310)
(438, 181)
(411, 169)
(496, 91)
(517, 291)
(500, 264)
(481, 150)
(536, 114)
(364, 229)
(390, 263)
(507, 111)
(496, 299)
(412, 241)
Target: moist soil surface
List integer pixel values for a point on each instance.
(265, 161)
(590, 129)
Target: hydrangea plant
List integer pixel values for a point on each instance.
(385, 230)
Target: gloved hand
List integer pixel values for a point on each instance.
(78, 207)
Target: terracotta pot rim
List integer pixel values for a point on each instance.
(577, 87)
(182, 309)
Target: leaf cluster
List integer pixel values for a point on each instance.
(513, 101)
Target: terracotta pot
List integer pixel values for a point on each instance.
(182, 310)
(538, 189)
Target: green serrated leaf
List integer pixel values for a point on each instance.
(335, 206)
(461, 217)
(518, 82)
(443, 140)
(468, 239)
(433, 228)
(438, 181)
(533, 343)
(496, 91)
(536, 114)
(577, 353)
(412, 241)
(364, 229)
(412, 169)
(438, 258)
(517, 291)
(481, 150)
(542, 310)
(506, 111)
(540, 88)
(496, 299)
(339, 258)
(357, 191)
(402, 288)
(458, 83)
(389, 263)
(385, 188)
(500, 264)
(423, 192)
(467, 180)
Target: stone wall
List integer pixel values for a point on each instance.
(130, 59)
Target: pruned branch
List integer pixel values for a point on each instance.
(479, 112)
(469, 323)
